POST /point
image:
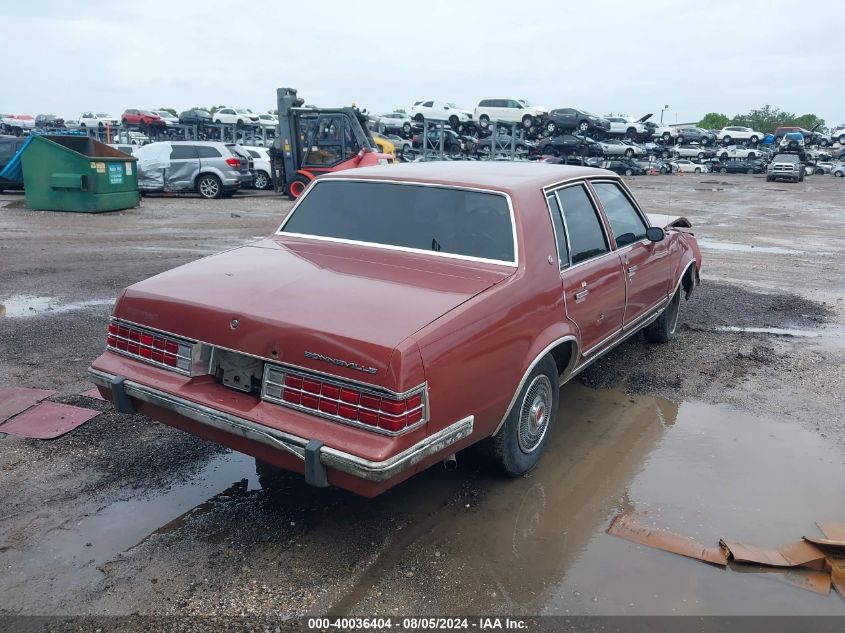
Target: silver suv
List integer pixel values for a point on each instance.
(211, 169)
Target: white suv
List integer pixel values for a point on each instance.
(737, 133)
(626, 127)
(511, 110)
(439, 110)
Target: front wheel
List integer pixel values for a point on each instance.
(261, 180)
(484, 121)
(662, 329)
(297, 185)
(527, 121)
(726, 140)
(209, 186)
(453, 121)
(520, 443)
(629, 172)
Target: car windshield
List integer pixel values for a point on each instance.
(242, 111)
(103, 115)
(525, 102)
(421, 218)
(451, 105)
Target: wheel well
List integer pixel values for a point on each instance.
(689, 280)
(565, 356)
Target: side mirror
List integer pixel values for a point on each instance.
(655, 234)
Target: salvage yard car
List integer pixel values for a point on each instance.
(785, 167)
(359, 345)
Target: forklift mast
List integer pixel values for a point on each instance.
(310, 138)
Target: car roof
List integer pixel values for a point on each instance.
(499, 176)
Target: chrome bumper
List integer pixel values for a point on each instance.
(304, 449)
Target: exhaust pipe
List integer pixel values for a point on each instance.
(451, 462)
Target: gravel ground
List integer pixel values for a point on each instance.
(126, 516)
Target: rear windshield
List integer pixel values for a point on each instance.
(424, 218)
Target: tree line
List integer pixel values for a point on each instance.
(766, 119)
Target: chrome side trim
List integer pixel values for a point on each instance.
(342, 461)
(601, 343)
(528, 371)
(513, 264)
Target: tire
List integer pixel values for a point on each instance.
(583, 126)
(726, 140)
(453, 121)
(680, 140)
(262, 180)
(406, 128)
(527, 121)
(665, 153)
(629, 153)
(723, 171)
(419, 118)
(753, 140)
(629, 172)
(751, 155)
(698, 170)
(297, 185)
(662, 329)
(700, 155)
(769, 179)
(749, 171)
(723, 156)
(841, 139)
(705, 142)
(484, 121)
(667, 137)
(631, 132)
(839, 174)
(124, 123)
(520, 443)
(209, 186)
(823, 143)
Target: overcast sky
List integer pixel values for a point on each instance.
(620, 56)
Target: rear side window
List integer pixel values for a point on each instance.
(423, 218)
(253, 153)
(182, 152)
(586, 235)
(560, 233)
(206, 151)
(627, 225)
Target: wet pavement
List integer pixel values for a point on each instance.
(531, 545)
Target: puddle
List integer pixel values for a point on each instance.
(68, 556)
(538, 544)
(747, 248)
(22, 306)
(774, 331)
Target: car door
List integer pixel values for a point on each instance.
(645, 263)
(184, 164)
(592, 279)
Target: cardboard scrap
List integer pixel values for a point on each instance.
(629, 527)
(798, 554)
(14, 400)
(812, 563)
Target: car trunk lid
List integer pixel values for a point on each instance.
(278, 299)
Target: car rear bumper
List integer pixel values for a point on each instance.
(313, 455)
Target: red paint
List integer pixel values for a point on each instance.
(468, 330)
(46, 421)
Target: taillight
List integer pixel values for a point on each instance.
(233, 162)
(348, 403)
(150, 346)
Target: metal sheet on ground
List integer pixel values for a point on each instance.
(14, 400)
(92, 393)
(46, 421)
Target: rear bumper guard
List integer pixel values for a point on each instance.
(317, 456)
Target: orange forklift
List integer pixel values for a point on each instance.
(313, 141)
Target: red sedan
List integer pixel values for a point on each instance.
(143, 118)
(399, 315)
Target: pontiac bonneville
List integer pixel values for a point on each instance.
(399, 315)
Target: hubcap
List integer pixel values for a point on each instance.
(535, 413)
(260, 181)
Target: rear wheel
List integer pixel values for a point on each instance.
(726, 140)
(749, 171)
(453, 121)
(551, 128)
(583, 126)
(629, 152)
(723, 171)
(419, 118)
(297, 185)
(662, 329)
(520, 443)
(629, 172)
(209, 186)
(484, 120)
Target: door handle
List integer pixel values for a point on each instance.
(632, 270)
(581, 295)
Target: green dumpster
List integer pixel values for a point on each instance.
(77, 173)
